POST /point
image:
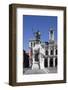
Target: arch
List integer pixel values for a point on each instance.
(46, 62)
(56, 62)
(51, 62)
(56, 51)
(37, 55)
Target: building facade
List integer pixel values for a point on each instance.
(43, 54)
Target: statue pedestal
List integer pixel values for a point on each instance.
(35, 66)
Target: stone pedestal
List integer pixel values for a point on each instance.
(35, 66)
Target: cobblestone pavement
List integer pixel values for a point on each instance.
(39, 71)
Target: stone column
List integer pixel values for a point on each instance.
(48, 62)
(54, 57)
(33, 60)
(49, 56)
(54, 62)
(54, 51)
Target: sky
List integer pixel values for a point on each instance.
(42, 23)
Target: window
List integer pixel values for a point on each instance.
(56, 51)
(51, 52)
(46, 52)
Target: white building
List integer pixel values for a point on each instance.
(43, 54)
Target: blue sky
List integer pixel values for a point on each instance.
(41, 23)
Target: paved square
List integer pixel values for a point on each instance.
(28, 71)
